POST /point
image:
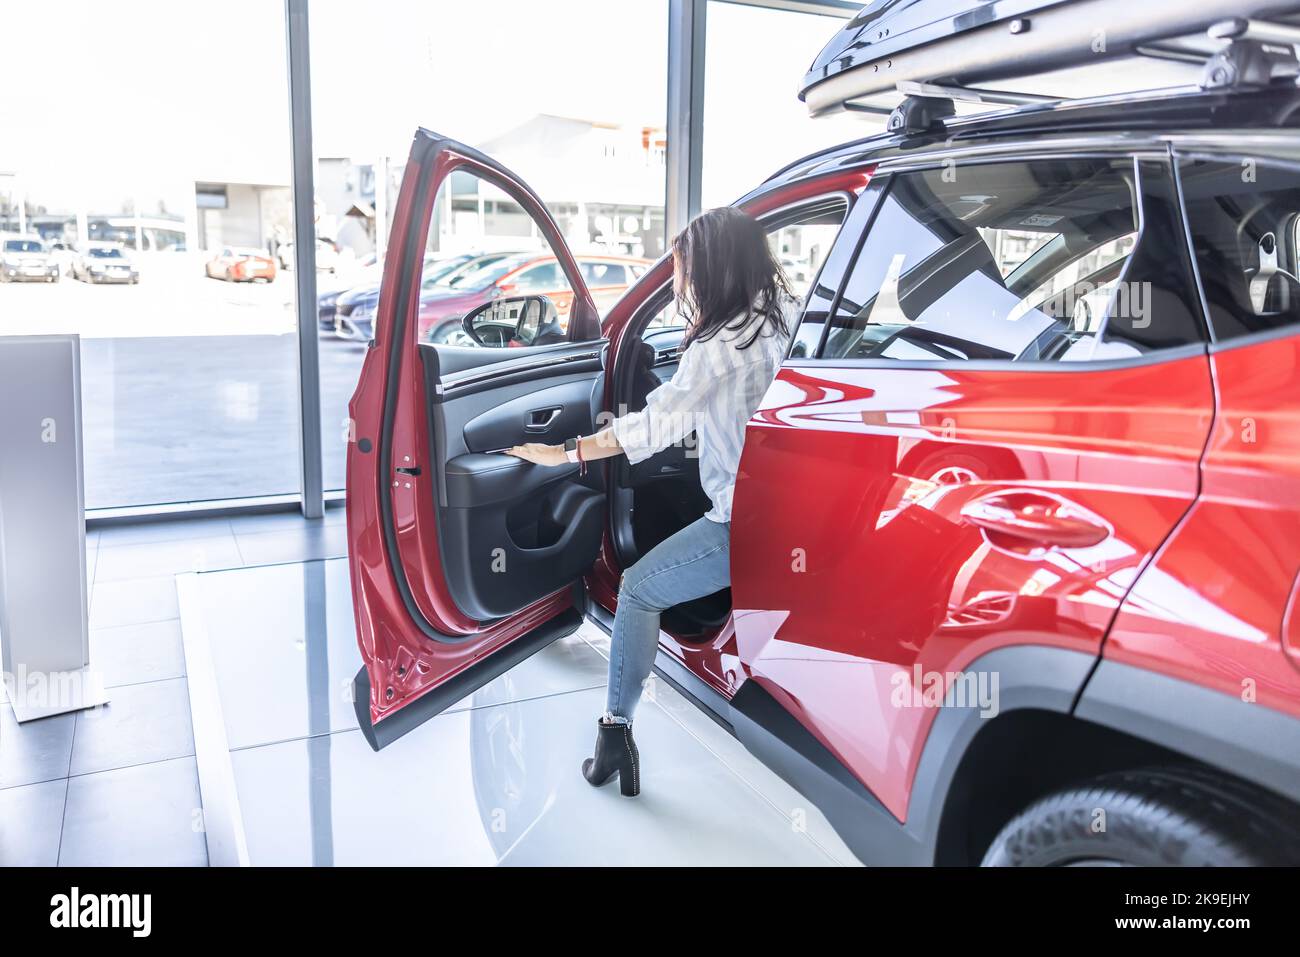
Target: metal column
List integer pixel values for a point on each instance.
(304, 249)
(685, 150)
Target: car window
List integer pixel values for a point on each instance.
(1244, 217)
(603, 274)
(1023, 261)
(544, 277)
(483, 274)
(666, 318)
(801, 248)
(22, 246)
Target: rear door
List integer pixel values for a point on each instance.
(1220, 606)
(463, 559)
(997, 424)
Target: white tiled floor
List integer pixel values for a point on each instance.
(118, 784)
(493, 780)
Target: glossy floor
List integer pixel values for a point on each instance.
(493, 780)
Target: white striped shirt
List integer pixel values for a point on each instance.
(713, 393)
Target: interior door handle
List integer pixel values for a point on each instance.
(539, 420)
(1036, 518)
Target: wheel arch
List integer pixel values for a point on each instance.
(1064, 718)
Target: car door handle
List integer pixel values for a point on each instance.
(539, 420)
(1036, 518)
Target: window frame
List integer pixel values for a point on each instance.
(881, 180)
(1216, 150)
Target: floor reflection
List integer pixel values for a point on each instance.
(494, 780)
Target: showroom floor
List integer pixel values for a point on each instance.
(266, 624)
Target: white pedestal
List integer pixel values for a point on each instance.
(44, 639)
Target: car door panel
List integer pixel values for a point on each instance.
(511, 532)
(460, 565)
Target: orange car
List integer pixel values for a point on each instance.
(240, 264)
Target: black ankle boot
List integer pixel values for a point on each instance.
(615, 754)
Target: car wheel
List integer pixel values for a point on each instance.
(1170, 817)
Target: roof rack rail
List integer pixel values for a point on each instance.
(972, 94)
(926, 105)
(1258, 53)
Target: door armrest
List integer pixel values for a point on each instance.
(486, 478)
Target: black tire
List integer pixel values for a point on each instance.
(1153, 817)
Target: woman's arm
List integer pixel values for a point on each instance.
(602, 445)
(669, 414)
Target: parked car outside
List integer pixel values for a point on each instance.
(1015, 542)
(328, 258)
(355, 310)
(25, 259)
(241, 264)
(535, 274)
(62, 254)
(103, 262)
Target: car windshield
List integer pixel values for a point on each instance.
(104, 253)
(22, 246)
(250, 252)
(485, 274)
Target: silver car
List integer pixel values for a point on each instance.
(25, 259)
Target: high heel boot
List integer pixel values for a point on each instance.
(615, 754)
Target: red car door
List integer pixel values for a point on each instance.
(463, 559)
(1220, 607)
(984, 443)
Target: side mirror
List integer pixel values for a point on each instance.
(513, 322)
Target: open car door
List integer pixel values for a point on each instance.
(464, 560)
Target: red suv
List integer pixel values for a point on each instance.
(1016, 533)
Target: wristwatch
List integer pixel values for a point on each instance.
(571, 450)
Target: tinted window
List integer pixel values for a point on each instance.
(1243, 217)
(22, 246)
(1025, 261)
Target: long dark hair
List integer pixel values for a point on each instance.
(730, 277)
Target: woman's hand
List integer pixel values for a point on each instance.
(539, 453)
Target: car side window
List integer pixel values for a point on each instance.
(545, 277)
(1244, 218)
(1033, 260)
(604, 274)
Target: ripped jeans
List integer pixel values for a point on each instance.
(690, 564)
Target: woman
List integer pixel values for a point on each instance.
(739, 312)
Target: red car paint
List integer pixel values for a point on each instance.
(849, 577)
(1210, 609)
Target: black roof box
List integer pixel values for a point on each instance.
(981, 42)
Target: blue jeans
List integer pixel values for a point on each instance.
(691, 564)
